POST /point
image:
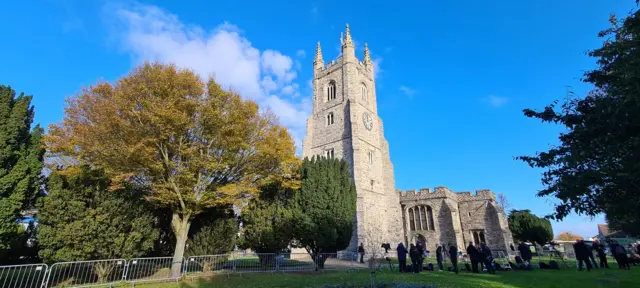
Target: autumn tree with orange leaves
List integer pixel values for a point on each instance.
(568, 236)
(193, 144)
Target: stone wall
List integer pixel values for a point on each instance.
(457, 216)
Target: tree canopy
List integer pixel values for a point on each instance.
(20, 162)
(80, 219)
(596, 167)
(528, 227)
(325, 205)
(195, 145)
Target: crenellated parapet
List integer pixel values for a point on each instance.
(444, 192)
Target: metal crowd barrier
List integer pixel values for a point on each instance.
(161, 269)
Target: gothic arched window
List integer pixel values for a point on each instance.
(330, 118)
(421, 218)
(363, 89)
(412, 224)
(331, 91)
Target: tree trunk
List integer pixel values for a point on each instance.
(180, 225)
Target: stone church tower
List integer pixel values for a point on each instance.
(345, 124)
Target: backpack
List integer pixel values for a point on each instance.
(553, 265)
(430, 267)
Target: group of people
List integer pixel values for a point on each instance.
(478, 254)
(584, 254)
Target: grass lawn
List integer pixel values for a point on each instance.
(565, 278)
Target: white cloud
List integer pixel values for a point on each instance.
(496, 101)
(151, 33)
(301, 53)
(407, 91)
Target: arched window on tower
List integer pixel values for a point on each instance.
(363, 89)
(412, 224)
(331, 91)
(421, 218)
(330, 118)
(430, 217)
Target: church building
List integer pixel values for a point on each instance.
(344, 123)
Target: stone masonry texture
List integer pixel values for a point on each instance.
(381, 210)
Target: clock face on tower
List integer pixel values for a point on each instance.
(368, 122)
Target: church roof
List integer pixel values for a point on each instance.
(603, 229)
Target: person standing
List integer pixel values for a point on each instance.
(473, 256)
(525, 253)
(421, 258)
(488, 260)
(582, 254)
(361, 252)
(414, 254)
(402, 257)
(439, 253)
(599, 248)
(453, 256)
(620, 254)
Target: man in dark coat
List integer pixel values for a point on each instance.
(402, 257)
(421, 258)
(582, 254)
(599, 248)
(525, 252)
(361, 252)
(474, 256)
(488, 258)
(453, 256)
(414, 254)
(439, 256)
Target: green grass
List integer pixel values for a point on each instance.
(565, 278)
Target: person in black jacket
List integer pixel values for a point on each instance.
(439, 256)
(488, 258)
(525, 252)
(599, 248)
(453, 256)
(474, 256)
(402, 257)
(415, 258)
(421, 258)
(361, 252)
(582, 254)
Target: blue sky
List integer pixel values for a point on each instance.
(453, 76)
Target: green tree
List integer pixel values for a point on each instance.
(528, 227)
(596, 167)
(213, 233)
(80, 219)
(267, 220)
(325, 206)
(195, 145)
(21, 157)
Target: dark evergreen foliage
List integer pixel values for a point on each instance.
(21, 156)
(596, 167)
(528, 227)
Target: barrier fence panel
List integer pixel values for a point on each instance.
(209, 265)
(255, 263)
(155, 269)
(85, 273)
(23, 276)
(336, 261)
(292, 262)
